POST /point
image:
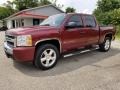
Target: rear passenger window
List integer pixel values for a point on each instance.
(89, 21)
(77, 20)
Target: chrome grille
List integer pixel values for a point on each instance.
(10, 40)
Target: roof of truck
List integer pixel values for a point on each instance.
(78, 13)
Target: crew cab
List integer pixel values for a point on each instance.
(56, 35)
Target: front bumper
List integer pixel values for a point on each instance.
(8, 49)
(24, 54)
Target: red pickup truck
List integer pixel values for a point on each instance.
(56, 35)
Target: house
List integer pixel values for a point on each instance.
(32, 16)
(1, 23)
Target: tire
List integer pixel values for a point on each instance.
(106, 45)
(46, 57)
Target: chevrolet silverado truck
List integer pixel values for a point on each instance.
(56, 35)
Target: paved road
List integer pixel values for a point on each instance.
(92, 70)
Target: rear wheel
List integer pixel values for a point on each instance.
(106, 45)
(46, 57)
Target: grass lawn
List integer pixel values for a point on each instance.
(118, 33)
(118, 37)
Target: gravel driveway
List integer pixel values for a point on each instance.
(92, 70)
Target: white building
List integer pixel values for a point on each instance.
(1, 23)
(31, 17)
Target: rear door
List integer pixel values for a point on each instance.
(74, 37)
(91, 28)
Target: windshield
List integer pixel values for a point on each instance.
(54, 20)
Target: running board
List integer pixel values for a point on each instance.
(79, 52)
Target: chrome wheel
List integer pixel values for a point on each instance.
(107, 44)
(48, 57)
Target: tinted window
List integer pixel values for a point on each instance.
(89, 21)
(77, 19)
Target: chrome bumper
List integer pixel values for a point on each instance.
(8, 49)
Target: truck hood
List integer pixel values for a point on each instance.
(29, 30)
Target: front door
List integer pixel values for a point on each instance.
(73, 36)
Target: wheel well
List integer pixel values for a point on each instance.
(53, 42)
(109, 35)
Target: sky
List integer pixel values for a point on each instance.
(81, 6)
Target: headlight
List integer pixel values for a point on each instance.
(24, 40)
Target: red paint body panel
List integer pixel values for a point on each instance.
(69, 39)
(25, 54)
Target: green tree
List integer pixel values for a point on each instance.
(115, 16)
(47, 2)
(108, 5)
(4, 12)
(108, 12)
(10, 6)
(44, 2)
(25, 4)
(70, 10)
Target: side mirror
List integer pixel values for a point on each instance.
(70, 25)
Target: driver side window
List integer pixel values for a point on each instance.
(75, 21)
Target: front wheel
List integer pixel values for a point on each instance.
(46, 56)
(106, 45)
